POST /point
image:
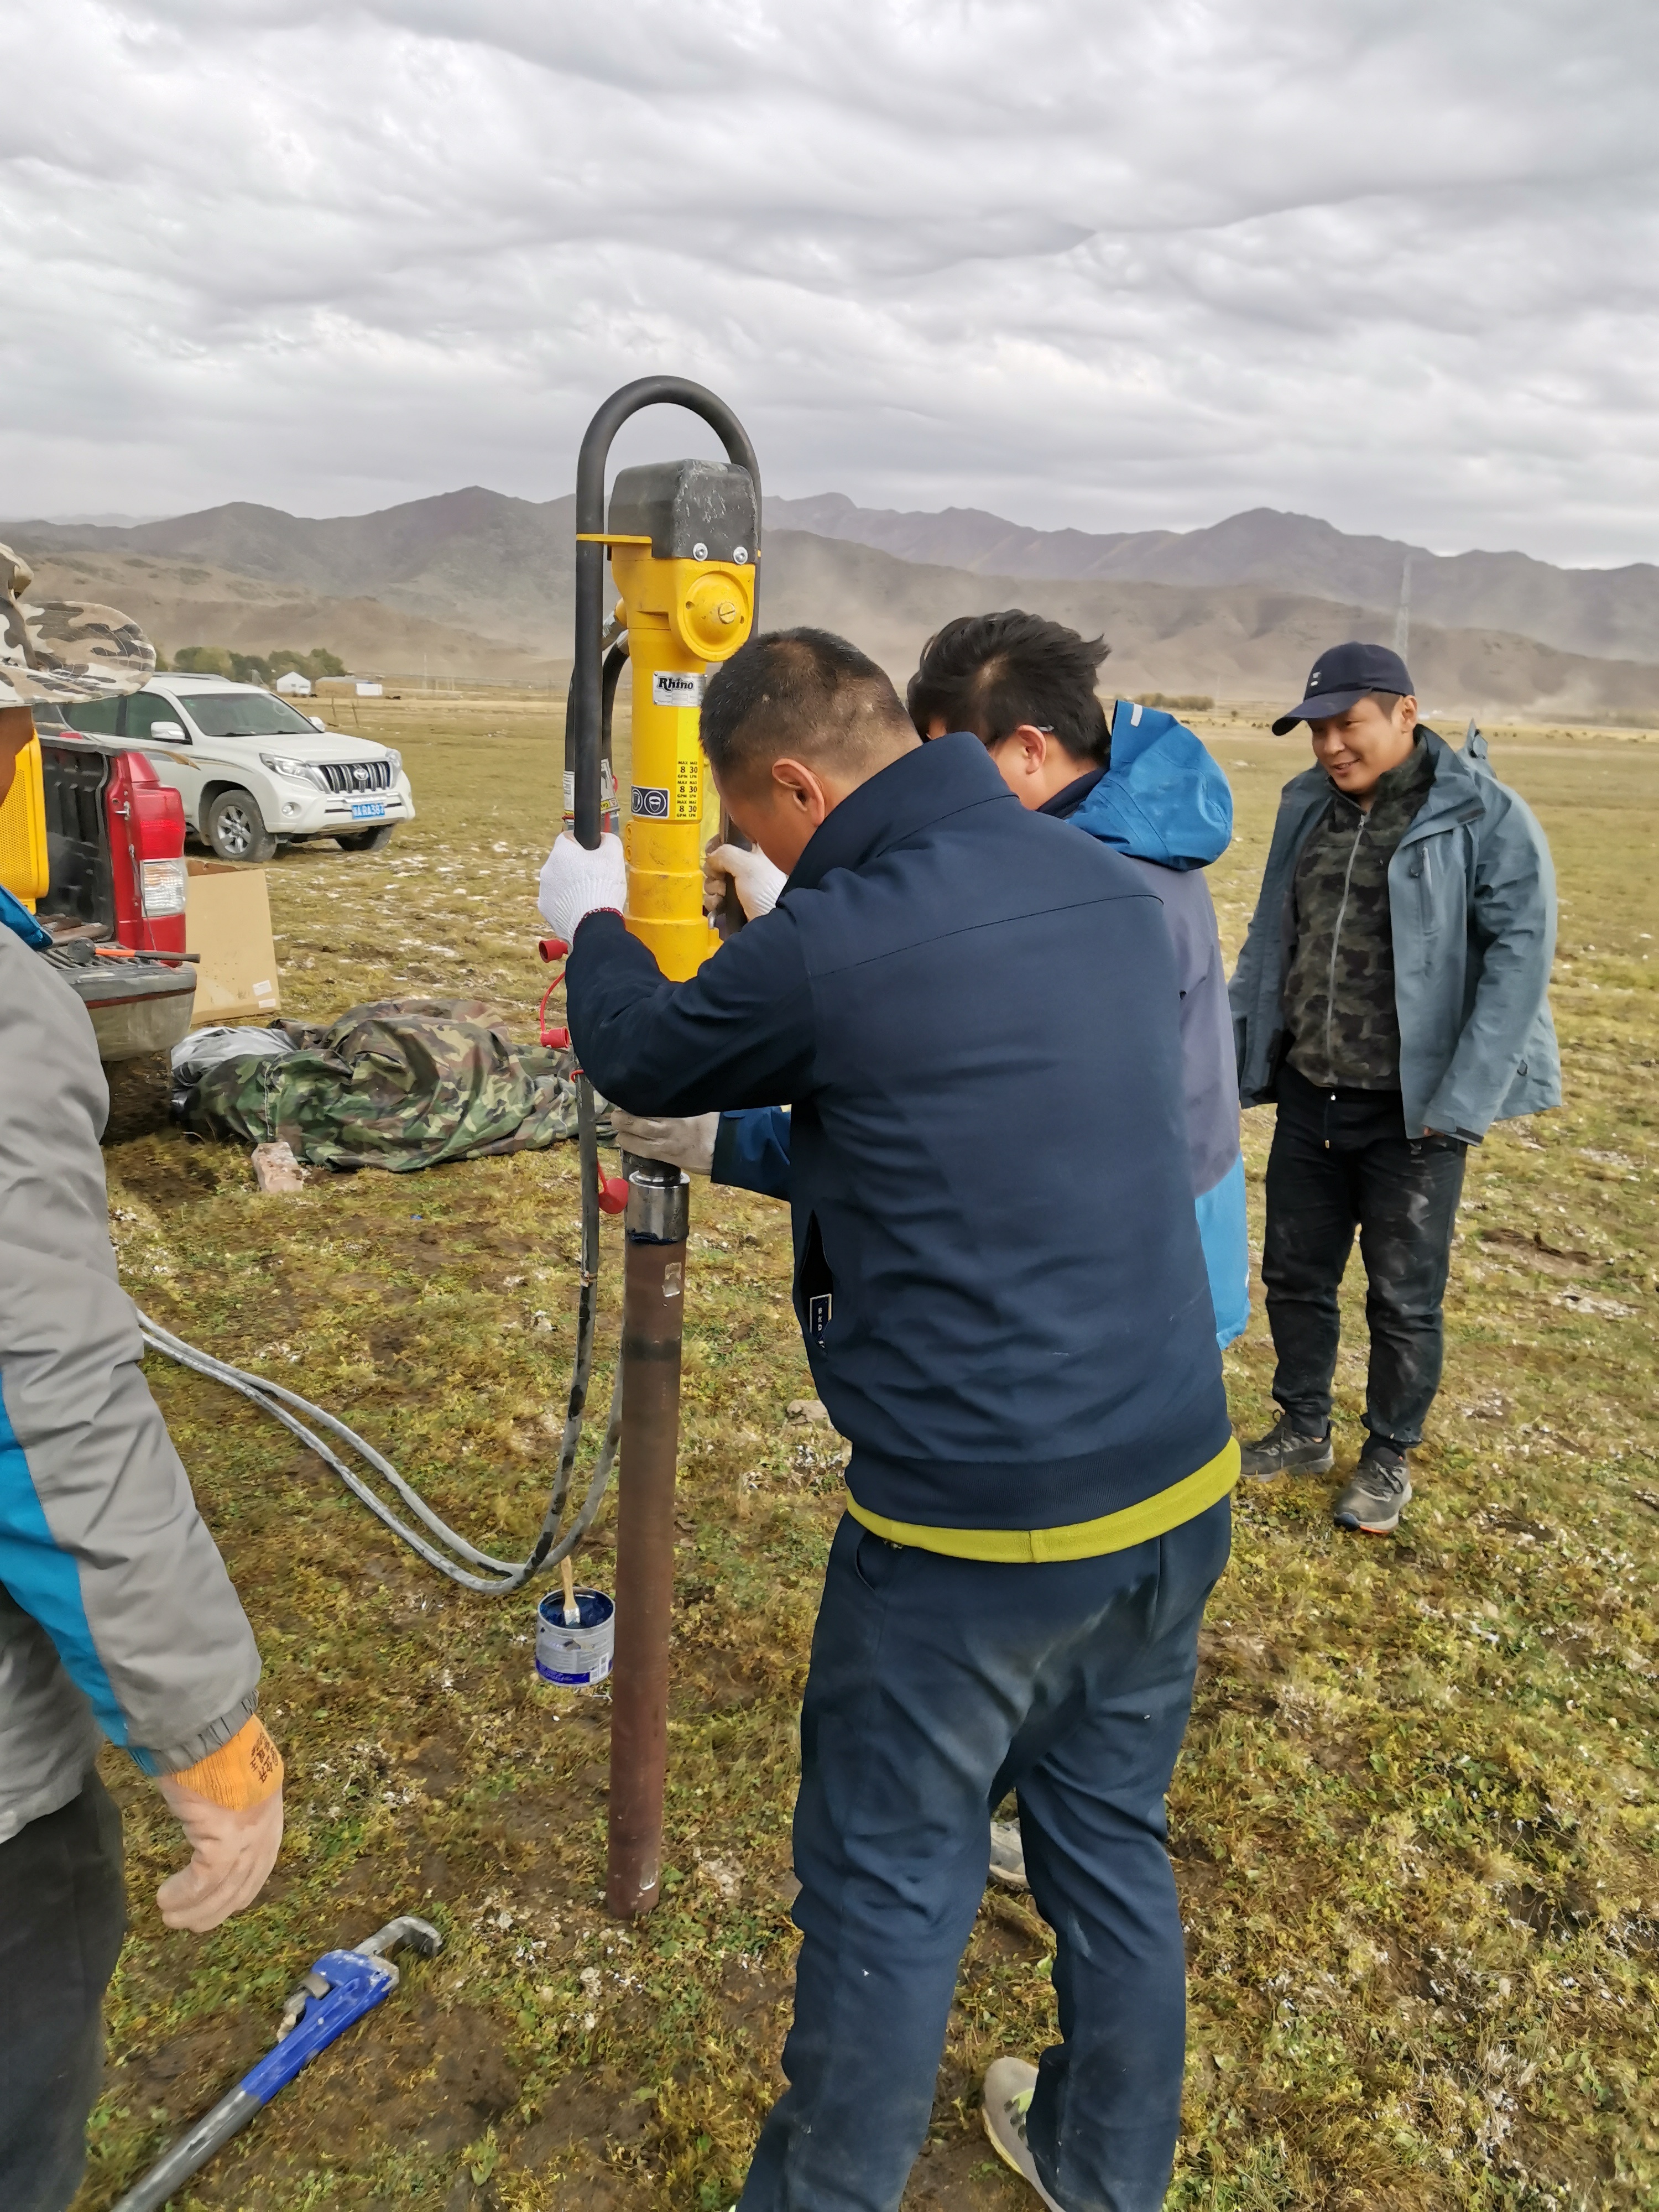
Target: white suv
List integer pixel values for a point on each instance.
(253, 772)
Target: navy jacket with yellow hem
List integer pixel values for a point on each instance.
(974, 1016)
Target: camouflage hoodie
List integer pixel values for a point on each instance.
(1340, 1006)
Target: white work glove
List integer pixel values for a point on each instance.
(757, 881)
(230, 1808)
(684, 1142)
(575, 882)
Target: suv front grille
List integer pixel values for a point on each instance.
(352, 776)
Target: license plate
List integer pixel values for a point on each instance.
(368, 809)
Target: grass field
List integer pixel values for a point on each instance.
(1415, 1824)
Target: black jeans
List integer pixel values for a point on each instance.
(63, 1914)
(936, 1685)
(1341, 1160)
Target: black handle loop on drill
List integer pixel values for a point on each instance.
(614, 661)
(586, 680)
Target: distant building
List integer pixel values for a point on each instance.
(358, 687)
(295, 685)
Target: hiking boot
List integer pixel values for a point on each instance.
(1378, 1493)
(1008, 2086)
(1285, 1451)
(1008, 1855)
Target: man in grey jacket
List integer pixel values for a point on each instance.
(1391, 999)
(116, 1617)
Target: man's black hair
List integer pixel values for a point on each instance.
(799, 691)
(989, 673)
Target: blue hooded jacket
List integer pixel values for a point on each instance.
(1162, 799)
(1166, 805)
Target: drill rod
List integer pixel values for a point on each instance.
(654, 1307)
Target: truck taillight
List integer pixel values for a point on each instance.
(165, 887)
(146, 819)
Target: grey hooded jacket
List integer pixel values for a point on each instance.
(116, 1613)
(1472, 906)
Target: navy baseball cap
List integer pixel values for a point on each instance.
(1343, 676)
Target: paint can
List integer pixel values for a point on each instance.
(576, 1657)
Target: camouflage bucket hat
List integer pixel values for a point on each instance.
(65, 649)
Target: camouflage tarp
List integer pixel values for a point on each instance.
(404, 1084)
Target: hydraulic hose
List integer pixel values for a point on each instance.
(457, 1558)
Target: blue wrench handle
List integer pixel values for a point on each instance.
(357, 1983)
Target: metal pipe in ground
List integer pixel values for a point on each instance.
(654, 1307)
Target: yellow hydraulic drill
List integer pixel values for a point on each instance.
(682, 539)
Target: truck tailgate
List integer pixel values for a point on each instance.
(137, 1006)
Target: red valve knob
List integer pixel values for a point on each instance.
(552, 949)
(613, 1193)
(559, 1038)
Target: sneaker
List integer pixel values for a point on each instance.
(1008, 2086)
(1008, 1855)
(1285, 1451)
(1378, 1493)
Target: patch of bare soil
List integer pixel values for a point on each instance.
(138, 1093)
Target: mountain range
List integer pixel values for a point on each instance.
(1609, 611)
(477, 559)
(476, 583)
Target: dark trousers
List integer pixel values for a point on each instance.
(1340, 1161)
(63, 1914)
(936, 1685)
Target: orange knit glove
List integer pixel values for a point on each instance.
(240, 1774)
(230, 1807)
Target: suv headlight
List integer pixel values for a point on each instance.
(302, 771)
(395, 758)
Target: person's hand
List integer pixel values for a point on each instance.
(757, 881)
(684, 1142)
(230, 1808)
(575, 882)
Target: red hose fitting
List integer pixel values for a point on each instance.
(552, 949)
(558, 1038)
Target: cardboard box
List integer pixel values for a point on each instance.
(227, 921)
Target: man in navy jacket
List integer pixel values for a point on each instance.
(1002, 1290)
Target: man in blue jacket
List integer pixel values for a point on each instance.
(1015, 1334)
(1391, 999)
(1143, 784)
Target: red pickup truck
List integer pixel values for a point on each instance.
(114, 900)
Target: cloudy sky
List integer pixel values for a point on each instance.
(1122, 264)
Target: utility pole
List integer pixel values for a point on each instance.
(1402, 619)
